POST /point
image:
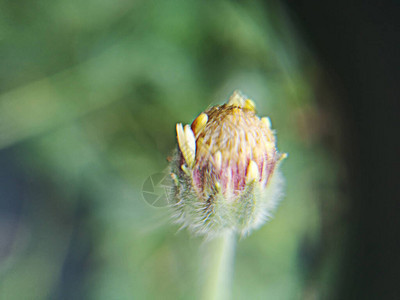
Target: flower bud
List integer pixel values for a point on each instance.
(225, 170)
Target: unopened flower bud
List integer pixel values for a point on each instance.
(225, 170)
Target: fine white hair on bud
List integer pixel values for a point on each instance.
(225, 170)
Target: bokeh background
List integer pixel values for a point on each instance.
(90, 92)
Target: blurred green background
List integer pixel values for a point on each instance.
(90, 92)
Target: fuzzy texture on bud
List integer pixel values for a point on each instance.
(225, 170)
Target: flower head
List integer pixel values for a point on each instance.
(225, 170)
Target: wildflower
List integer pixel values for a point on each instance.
(225, 170)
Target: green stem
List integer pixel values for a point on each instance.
(219, 262)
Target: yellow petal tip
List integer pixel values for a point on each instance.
(252, 171)
(267, 122)
(218, 160)
(199, 123)
(249, 104)
(187, 143)
(283, 156)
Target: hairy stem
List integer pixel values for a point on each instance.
(219, 262)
